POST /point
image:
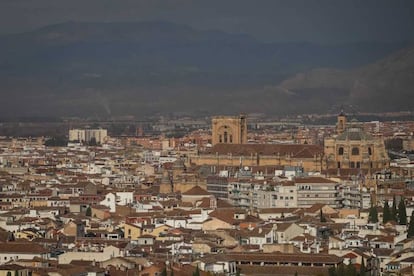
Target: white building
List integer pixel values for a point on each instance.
(311, 190)
(87, 135)
(110, 201)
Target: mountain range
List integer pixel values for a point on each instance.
(142, 68)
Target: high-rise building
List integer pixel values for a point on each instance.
(88, 135)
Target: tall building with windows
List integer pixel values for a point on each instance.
(229, 129)
(353, 148)
(87, 135)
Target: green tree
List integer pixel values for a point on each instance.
(196, 272)
(58, 141)
(9, 273)
(386, 214)
(321, 216)
(362, 268)
(93, 142)
(88, 211)
(402, 213)
(410, 232)
(340, 270)
(394, 211)
(332, 271)
(373, 214)
(350, 270)
(164, 272)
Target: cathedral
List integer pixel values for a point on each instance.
(353, 148)
(229, 130)
(231, 150)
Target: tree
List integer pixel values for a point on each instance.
(93, 142)
(322, 217)
(350, 270)
(386, 214)
(373, 214)
(362, 268)
(196, 272)
(58, 141)
(332, 271)
(9, 273)
(88, 211)
(164, 272)
(340, 270)
(402, 213)
(172, 272)
(394, 211)
(410, 232)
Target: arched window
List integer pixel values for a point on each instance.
(355, 151)
(369, 151)
(341, 151)
(225, 137)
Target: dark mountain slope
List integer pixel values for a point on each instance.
(144, 67)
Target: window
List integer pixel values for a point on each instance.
(220, 139)
(225, 137)
(231, 138)
(358, 165)
(339, 165)
(352, 165)
(369, 151)
(341, 151)
(355, 151)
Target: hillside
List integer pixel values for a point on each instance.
(139, 68)
(385, 85)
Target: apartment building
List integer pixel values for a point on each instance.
(311, 190)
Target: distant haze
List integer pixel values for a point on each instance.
(141, 57)
(320, 21)
(111, 69)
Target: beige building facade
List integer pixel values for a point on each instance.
(310, 157)
(229, 130)
(354, 148)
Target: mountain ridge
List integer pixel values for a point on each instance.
(77, 68)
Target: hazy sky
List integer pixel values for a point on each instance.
(270, 20)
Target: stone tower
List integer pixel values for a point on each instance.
(229, 130)
(341, 123)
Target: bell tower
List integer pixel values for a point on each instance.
(229, 130)
(341, 123)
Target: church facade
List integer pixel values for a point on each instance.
(229, 130)
(353, 148)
